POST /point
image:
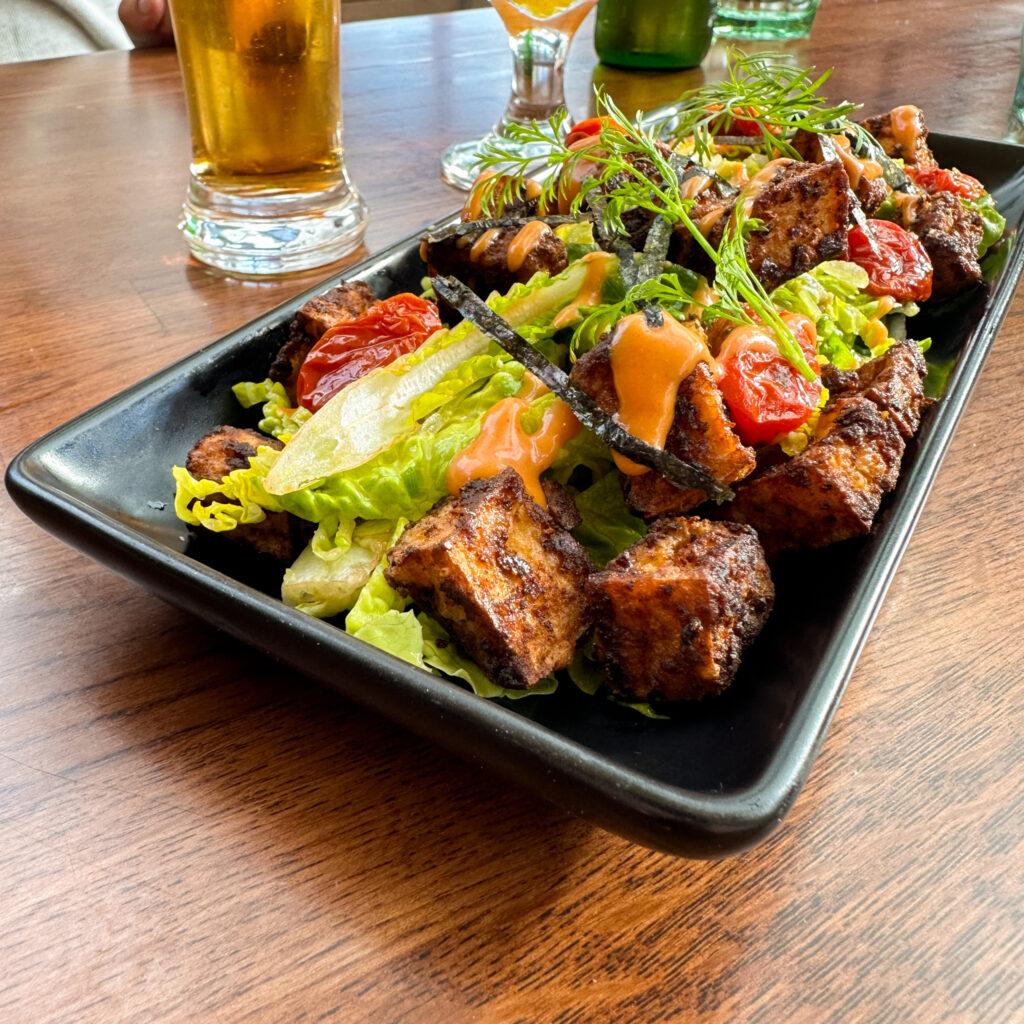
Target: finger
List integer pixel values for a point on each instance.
(147, 22)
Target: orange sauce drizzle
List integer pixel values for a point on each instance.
(710, 219)
(703, 297)
(526, 238)
(598, 264)
(503, 442)
(695, 185)
(481, 244)
(529, 188)
(648, 365)
(856, 168)
(906, 129)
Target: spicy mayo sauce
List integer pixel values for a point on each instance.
(649, 362)
(502, 442)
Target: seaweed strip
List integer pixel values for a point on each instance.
(682, 474)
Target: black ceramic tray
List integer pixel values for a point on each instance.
(715, 778)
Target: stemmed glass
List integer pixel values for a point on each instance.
(539, 32)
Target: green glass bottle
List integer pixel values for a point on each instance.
(654, 33)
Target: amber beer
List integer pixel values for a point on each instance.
(262, 81)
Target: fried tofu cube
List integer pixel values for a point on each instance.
(894, 381)
(950, 234)
(701, 433)
(805, 209)
(501, 575)
(871, 192)
(896, 144)
(831, 491)
(674, 613)
(278, 536)
(482, 260)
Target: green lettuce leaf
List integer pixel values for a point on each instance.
(198, 502)
(608, 527)
(407, 479)
(850, 323)
(280, 420)
(324, 580)
(992, 221)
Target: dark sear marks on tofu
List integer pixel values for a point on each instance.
(732, 301)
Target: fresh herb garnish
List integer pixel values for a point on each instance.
(763, 89)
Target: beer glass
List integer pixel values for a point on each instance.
(539, 32)
(268, 191)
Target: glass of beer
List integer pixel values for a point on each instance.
(268, 191)
(539, 33)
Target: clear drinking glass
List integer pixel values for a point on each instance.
(540, 32)
(268, 191)
(765, 19)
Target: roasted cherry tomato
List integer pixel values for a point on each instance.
(939, 179)
(387, 330)
(590, 126)
(895, 260)
(739, 125)
(765, 393)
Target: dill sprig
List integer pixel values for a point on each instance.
(763, 88)
(632, 169)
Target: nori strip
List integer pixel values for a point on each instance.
(682, 474)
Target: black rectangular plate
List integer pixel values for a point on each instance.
(714, 779)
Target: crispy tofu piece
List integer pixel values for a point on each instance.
(894, 382)
(346, 302)
(501, 575)
(871, 192)
(486, 270)
(212, 457)
(831, 491)
(674, 612)
(805, 209)
(701, 433)
(950, 234)
(920, 155)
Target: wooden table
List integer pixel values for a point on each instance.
(189, 834)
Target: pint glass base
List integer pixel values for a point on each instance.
(259, 232)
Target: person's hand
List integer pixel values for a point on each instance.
(147, 22)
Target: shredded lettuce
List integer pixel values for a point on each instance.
(851, 325)
(578, 238)
(280, 419)
(238, 499)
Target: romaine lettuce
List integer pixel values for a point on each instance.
(608, 527)
(374, 412)
(992, 221)
(197, 503)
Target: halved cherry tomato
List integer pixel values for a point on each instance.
(387, 330)
(591, 126)
(895, 260)
(739, 125)
(766, 395)
(939, 179)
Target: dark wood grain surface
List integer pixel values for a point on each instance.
(189, 834)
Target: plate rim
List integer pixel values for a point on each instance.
(650, 811)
